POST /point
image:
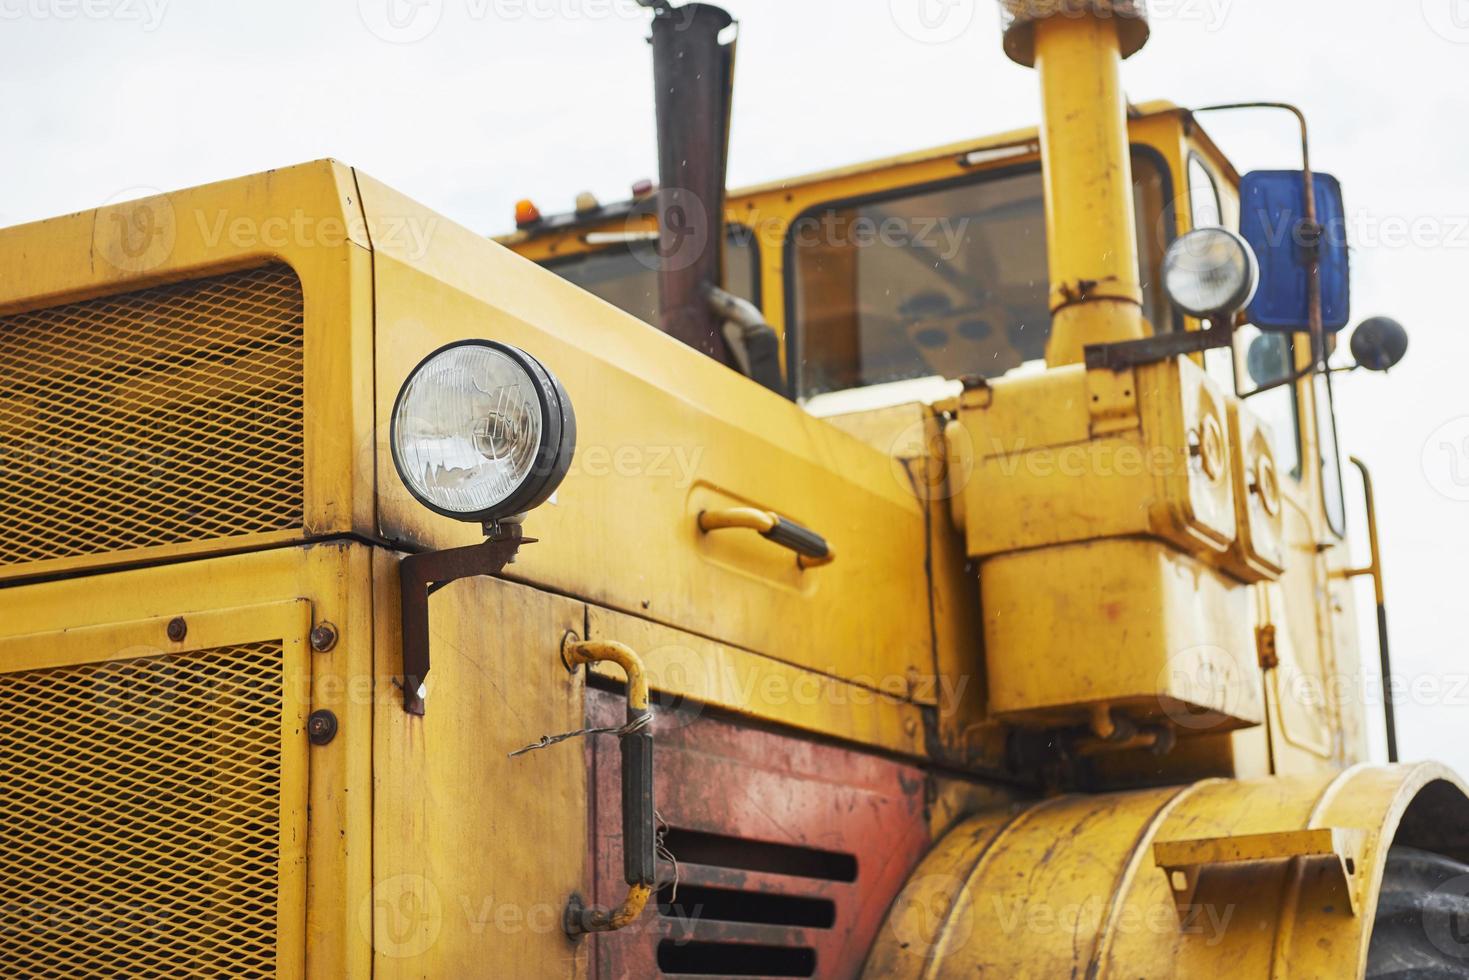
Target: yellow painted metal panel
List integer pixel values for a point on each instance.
(476, 853)
(877, 713)
(335, 579)
(340, 583)
(913, 437)
(306, 217)
(1354, 714)
(1258, 551)
(1126, 622)
(175, 772)
(663, 433)
(1074, 455)
(1303, 699)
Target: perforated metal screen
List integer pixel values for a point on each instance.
(140, 816)
(157, 417)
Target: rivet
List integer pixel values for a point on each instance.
(178, 629)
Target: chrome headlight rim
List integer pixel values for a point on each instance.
(553, 453)
(1239, 299)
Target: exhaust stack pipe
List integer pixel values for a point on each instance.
(693, 75)
(1077, 46)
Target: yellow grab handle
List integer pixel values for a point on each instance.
(578, 652)
(639, 818)
(811, 548)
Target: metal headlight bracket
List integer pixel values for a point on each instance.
(421, 575)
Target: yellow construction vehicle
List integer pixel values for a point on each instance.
(934, 567)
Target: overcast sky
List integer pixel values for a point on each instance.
(469, 105)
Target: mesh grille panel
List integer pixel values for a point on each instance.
(157, 417)
(140, 816)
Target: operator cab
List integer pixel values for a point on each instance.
(889, 281)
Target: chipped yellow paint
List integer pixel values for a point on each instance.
(1070, 886)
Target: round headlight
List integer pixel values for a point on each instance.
(481, 431)
(1210, 272)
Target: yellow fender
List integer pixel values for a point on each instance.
(1275, 877)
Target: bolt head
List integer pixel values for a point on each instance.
(178, 629)
(321, 727)
(323, 637)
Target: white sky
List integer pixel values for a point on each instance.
(502, 99)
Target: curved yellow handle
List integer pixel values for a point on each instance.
(639, 819)
(578, 652)
(812, 550)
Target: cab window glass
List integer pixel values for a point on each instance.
(1156, 225)
(627, 275)
(1263, 359)
(1203, 196)
(1331, 482)
(1206, 211)
(944, 282)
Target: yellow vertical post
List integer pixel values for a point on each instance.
(1090, 226)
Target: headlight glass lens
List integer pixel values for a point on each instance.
(467, 429)
(1210, 272)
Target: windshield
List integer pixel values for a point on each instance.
(943, 282)
(626, 275)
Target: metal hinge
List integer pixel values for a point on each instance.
(1265, 647)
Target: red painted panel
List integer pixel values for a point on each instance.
(791, 849)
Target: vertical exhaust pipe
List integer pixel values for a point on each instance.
(693, 76)
(1078, 47)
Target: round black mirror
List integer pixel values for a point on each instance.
(1268, 359)
(1379, 343)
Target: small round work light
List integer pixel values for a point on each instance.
(482, 432)
(1211, 273)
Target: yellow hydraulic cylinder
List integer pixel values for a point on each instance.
(1090, 223)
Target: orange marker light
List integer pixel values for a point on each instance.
(526, 213)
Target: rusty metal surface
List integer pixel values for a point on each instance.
(1018, 19)
(419, 576)
(790, 851)
(692, 74)
(1124, 354)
